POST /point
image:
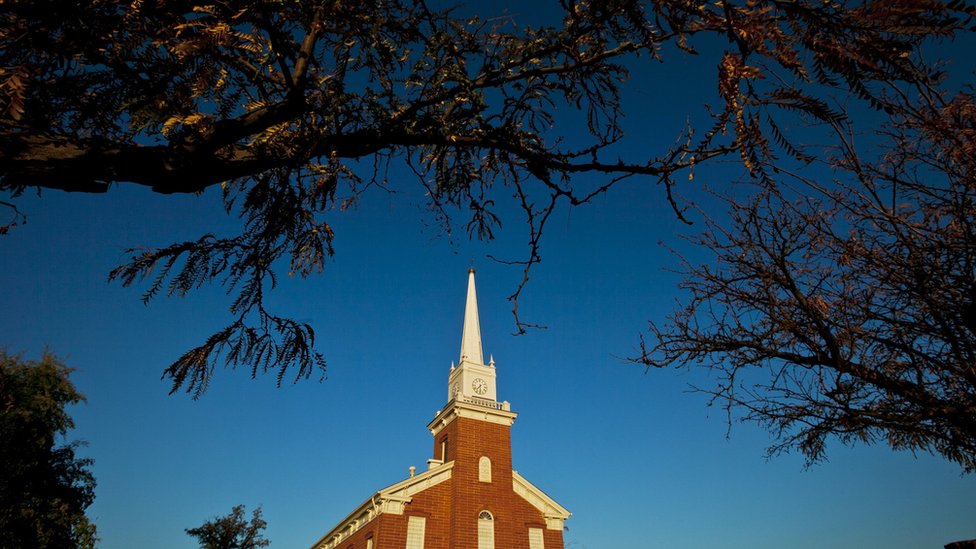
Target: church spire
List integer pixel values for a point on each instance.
(472, 381)
(471, 333)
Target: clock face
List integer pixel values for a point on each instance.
(480, 386)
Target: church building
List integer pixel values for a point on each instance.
(469, 497)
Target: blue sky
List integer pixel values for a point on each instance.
(639, 460)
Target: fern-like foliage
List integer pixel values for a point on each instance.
(286, 105)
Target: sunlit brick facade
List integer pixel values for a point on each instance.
(469, 497)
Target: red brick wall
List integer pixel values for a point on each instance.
(435, 504)
(452, 507)
(468, 440)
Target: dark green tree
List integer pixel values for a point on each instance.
(44, 488)
(232, 531)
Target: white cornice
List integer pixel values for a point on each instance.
(554, 513)
(490, 411)
(390, 500)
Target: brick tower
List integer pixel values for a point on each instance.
(469, 497)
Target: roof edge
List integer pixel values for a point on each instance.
(389, 500)
(554, 513)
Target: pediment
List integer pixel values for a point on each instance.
(554, 513)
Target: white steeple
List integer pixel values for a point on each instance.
(472, 380)
(471, 333)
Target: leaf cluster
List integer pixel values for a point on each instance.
(45, 488)
(232, 531)
(276, 101)
(272, 100)
(847, 310)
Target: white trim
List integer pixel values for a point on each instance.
(484, 469)
(486, 530)
(457, 409)
(416, 529)
(537, 539)
(390, 500)
(554, 513)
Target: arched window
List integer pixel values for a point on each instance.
(486, 531)
(484, 469)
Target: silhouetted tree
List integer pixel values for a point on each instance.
(845, 305)
(232, 531)
(274, 101)
(44, 487)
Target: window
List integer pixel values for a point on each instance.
(536, 539)
(444, 449)
(415, 532)
(484, 469)
(369, 543)
(486, 531)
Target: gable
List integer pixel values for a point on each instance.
(389, 500)
(554, 513)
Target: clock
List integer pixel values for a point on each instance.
(480, 386)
